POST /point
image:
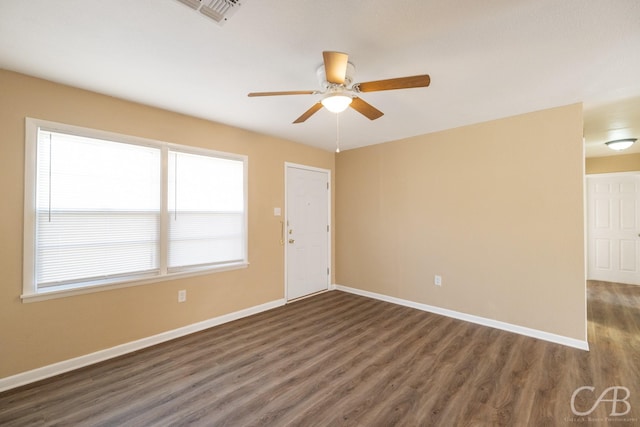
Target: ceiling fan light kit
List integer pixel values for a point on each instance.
(336, 103)
(336, 78)
(621, 144)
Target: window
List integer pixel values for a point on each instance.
(205, 230)
(106, 209)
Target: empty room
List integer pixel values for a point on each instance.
(319, 213)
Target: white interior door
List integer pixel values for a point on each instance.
(613, 228)
(307, 230)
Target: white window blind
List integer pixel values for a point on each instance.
(103, 209)
(97, 209)
(206, 210)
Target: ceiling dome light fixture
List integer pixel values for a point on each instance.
(336, 103)
(621, 144)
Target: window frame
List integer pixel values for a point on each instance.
(30, 291)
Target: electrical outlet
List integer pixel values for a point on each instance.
(437, 280)
(182, 295)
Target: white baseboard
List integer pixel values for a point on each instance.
(534, 333)
(119, 350)
(109, 353)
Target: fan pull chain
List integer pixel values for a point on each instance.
(337, 133)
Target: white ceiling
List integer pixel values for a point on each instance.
(487, 60)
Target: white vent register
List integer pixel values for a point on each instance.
(218, 10)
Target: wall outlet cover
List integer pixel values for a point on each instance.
(182, 295)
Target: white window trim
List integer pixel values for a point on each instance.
(30, 292)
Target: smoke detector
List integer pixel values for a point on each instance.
(218, 10)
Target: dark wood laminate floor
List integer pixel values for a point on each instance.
(343, 360)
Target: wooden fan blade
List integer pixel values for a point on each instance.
(422, 80)
(310, 112)
(290, 92)
(335, 66)
(366, 109)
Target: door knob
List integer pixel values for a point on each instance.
(291, 240)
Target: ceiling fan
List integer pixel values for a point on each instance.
(336, 79)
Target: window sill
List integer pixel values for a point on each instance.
(63, 293)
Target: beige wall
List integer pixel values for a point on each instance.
(495, 208)
(608, 164)
(36, 334)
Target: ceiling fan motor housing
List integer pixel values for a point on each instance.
(348, 78)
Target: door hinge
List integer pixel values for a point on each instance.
(327, 271)
(327, 228)
(327, 185)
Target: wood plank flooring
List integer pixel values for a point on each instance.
(338, 359)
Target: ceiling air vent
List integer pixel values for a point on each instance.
(218, 10)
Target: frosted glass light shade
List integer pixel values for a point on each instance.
(336, 103)
(621, 144)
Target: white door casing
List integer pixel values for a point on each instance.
(307, 230)
(613, 227)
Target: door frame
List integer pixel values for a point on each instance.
(586, 212)
(287, 167)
